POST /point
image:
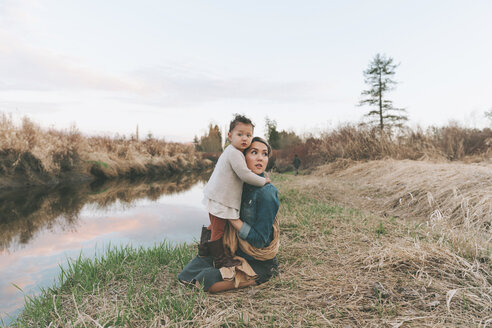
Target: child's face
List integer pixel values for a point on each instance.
(240, 137)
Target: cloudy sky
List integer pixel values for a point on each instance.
(173, 67)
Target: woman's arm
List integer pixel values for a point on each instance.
(266, 209)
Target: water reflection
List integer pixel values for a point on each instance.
(24, 213)
(39, 228)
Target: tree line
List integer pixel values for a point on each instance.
(211, 141)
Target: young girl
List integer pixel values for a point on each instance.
(223, 190)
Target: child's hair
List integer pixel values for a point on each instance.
(240, 119)
(263, 141)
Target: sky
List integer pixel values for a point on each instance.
(174, 67)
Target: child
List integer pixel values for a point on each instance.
(223, 191)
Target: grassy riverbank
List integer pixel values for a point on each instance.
(345, 260)
(124, 286)
(31, 155)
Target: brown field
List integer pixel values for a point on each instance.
(377, 244)
(362, 143)
(30, 155)
(388, 243)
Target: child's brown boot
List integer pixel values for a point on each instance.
(216, 249)
(204, 238)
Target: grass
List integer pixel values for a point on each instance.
(32, 155)
(341, 265)
(125, 286)
(352, 142)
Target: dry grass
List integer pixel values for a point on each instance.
(348, 268)
(360, 143)
(454, 199)
(35, 155)
(339, 266)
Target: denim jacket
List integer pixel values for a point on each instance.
(259, 206)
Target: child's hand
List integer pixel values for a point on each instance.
(268, 180)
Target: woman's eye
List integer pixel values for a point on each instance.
(254, 152)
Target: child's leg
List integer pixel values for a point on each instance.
(216, 246)
(217, 225)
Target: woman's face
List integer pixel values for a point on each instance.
(257, 157)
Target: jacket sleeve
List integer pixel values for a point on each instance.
(266, 209)
(238, 164)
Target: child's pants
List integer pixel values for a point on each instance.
(217, 226)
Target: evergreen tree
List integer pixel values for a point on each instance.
(379, 78)
(272, 134)
(288, 139)
(196, 142)
(211, 142)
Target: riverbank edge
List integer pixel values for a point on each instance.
(339, 266)
(126, 267)
(96, 171)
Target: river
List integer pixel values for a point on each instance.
(41, 227)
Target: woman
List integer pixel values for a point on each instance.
(253, 238)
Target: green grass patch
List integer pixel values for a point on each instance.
(100, 163)
(146, 277)
(380, 230)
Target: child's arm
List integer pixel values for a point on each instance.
(238, 164)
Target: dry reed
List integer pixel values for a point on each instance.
(33, 155)
(361, 143)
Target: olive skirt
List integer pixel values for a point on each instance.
(201, 270)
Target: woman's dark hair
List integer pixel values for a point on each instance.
(239, 119)
(263, 141)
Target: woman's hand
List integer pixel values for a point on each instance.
(236, 223)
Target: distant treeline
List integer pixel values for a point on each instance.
(30, 155)
(361, 142)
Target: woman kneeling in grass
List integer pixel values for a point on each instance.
(253, 239)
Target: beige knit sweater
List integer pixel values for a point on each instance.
(226, 183)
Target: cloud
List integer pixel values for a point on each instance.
(26, 68)
(28, 107)
(178, 86)
(14, 13)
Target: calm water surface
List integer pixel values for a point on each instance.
(40, 229)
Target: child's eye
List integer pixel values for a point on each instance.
(240, 134)
(249, 135)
